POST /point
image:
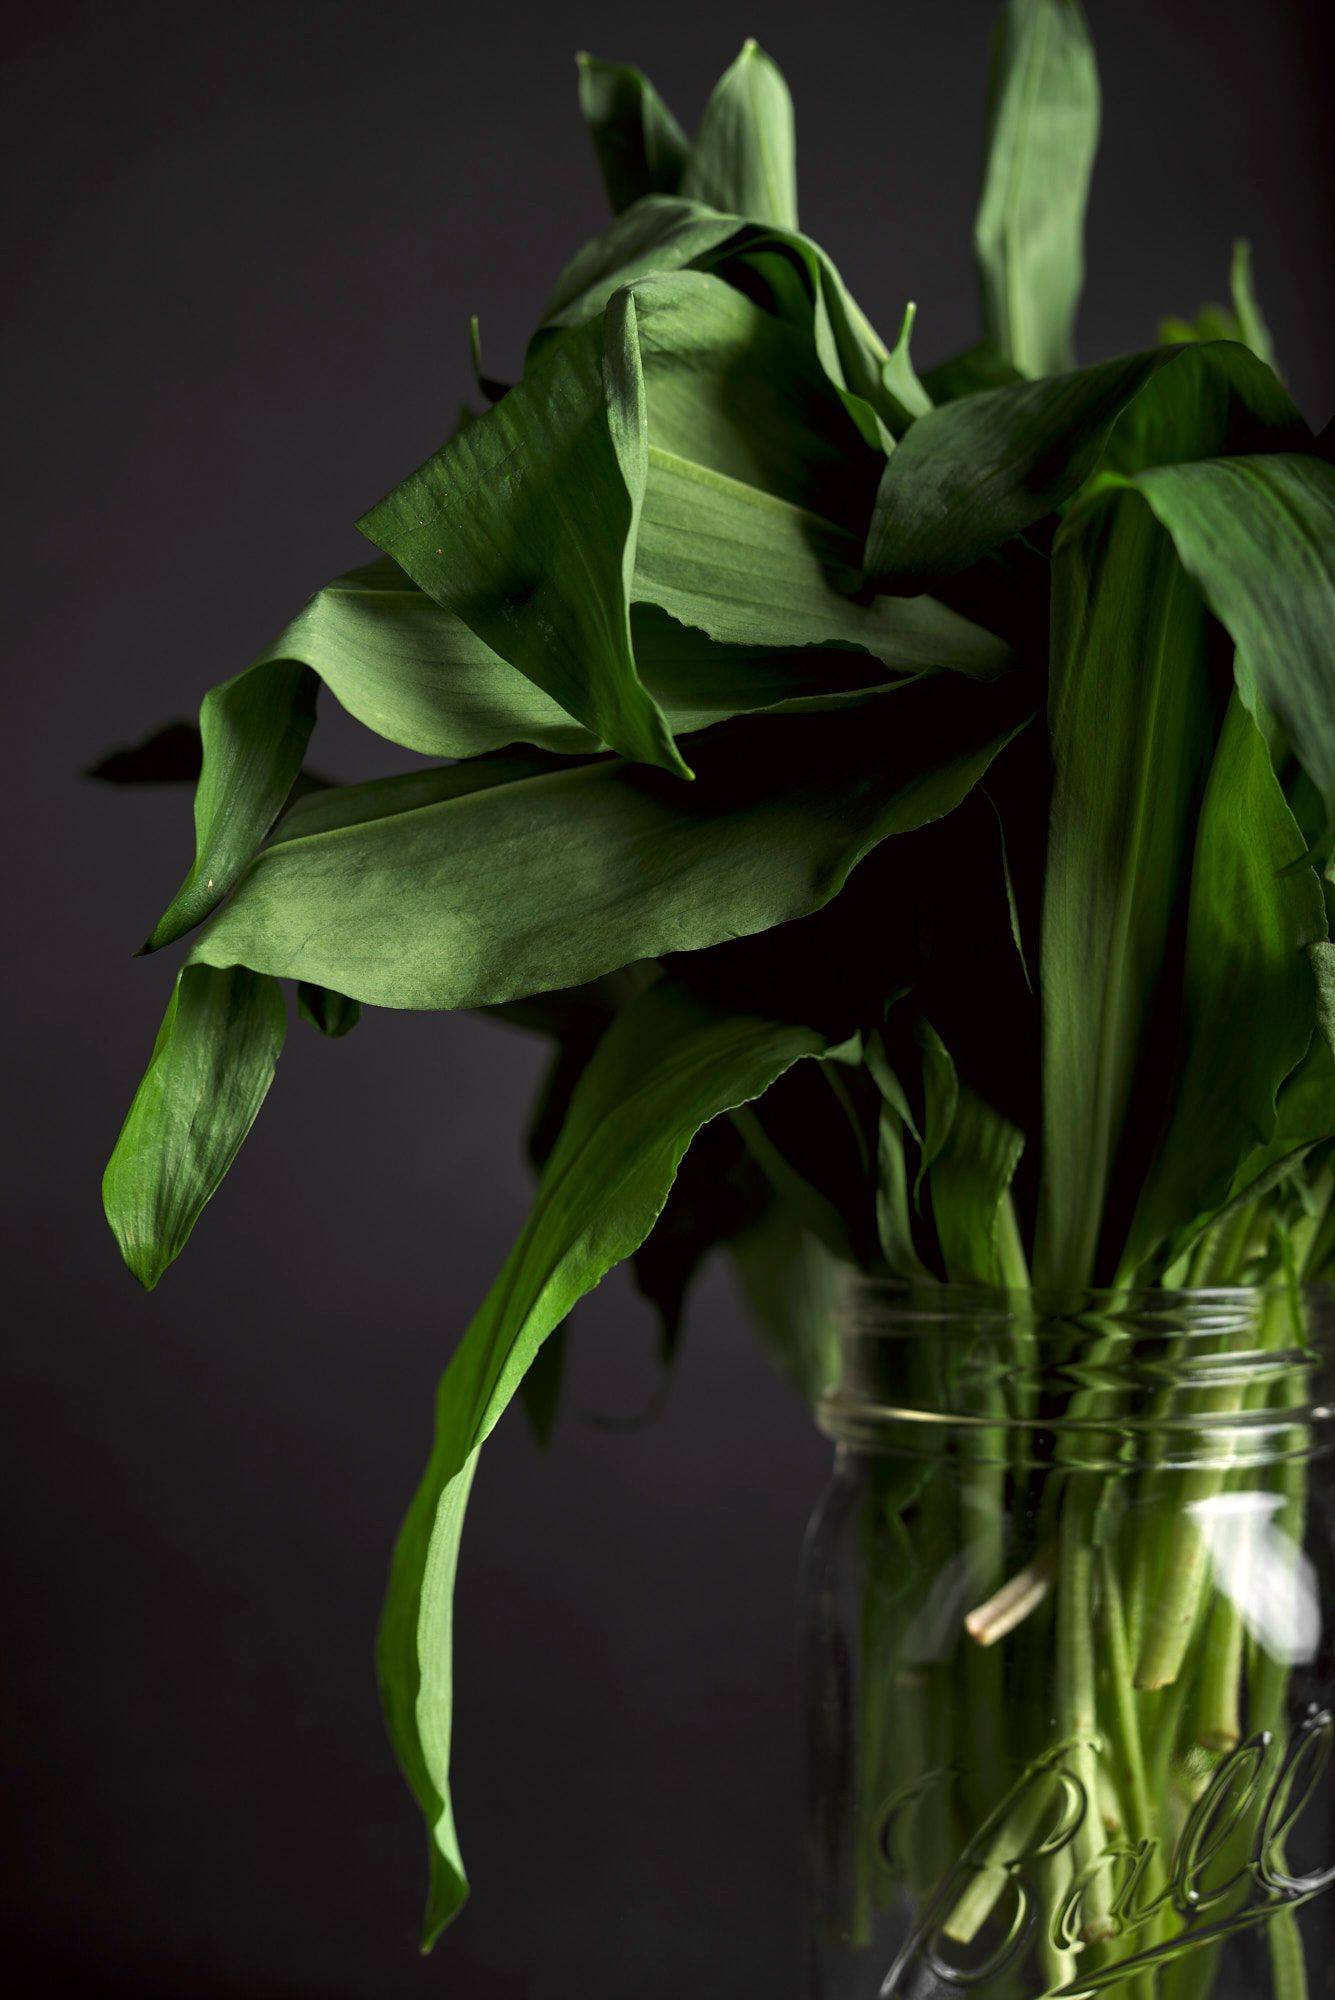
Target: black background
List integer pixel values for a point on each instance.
(248, 239)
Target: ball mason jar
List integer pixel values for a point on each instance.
(1068, 1665)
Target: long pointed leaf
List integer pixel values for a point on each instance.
(210, 1070)
(973, 474)
(507, 876)
(1133, 706)
(1248, 1001)
(744, 158)
(640, 146)
(1043, 128)
(667, 1066)
(1258, 535)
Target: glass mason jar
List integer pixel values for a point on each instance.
(1069, 1675)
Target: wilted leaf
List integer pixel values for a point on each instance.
(506, 875)
(668, 1066)
(210, 1071)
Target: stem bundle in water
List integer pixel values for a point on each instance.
(1088, 1778)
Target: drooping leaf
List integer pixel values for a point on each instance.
(667, 1067)
(210, 1070)
(508, 875)
(641, 148)
(525, 526)
(1258, 536)
(809, 1141)
(719, 1192)
(333, 1014)
(254, 731)
(795, 1290)
(979, 471)
(1042, 132)
(744, 156)
(1248, 1000)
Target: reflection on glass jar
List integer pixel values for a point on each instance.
(1069, 1672)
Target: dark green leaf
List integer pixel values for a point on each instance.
(657, 235)
(1247, 992)
(332, 1013)
(525, 526)
(509, 875)
(668, 1066)
(1133, 712)
(970, 1183)
(718, 1193)
(968, 374)
(975, 473)
(1258, 536)
(795, 1290)
(210, 1070)
(254, 731)
(640, 146)
(1042, 132)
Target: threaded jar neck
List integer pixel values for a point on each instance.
(1099, 1379)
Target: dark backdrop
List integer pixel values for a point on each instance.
(248, 239)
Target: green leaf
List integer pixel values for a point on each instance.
(1243, 323)
(1133, 712)
(968, 374)
(808, 1140)
(982, 470)
(1042, 133)
(657, 235)
(750, 569)
(668, 1066)
(791, 276)
(718, 1193)
(254, 730)
(1258, 536)
(898, 373)
(1247, 992)
(210, 1071)
(1322, 959)
(640, 146)
(508, 875)
(730, 387)
(744, 157)
(1251, 321)
(332, 1013)
(969, 1182)
(525, 526)
(795, 1290)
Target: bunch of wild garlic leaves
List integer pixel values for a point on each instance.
(909, 794)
